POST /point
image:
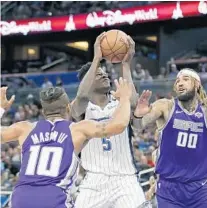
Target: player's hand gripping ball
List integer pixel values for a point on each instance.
(114, 46)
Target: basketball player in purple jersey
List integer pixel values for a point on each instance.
(49, 147)
(182, 158)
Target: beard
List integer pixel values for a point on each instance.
(187, 96)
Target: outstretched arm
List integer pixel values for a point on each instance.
(81, 101)
(12, 132)
(145, 114)
(126, 71)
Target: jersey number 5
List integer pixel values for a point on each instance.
(44, 161)
(106, 144)
(187, 140)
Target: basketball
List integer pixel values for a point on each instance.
(114, 46)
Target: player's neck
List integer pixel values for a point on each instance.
(54, 117)
(100, 99)
(190, 105)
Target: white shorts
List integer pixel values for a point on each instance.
(101, 191)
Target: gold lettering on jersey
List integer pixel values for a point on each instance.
(49, 136)
(188, 125)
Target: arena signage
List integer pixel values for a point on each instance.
(154, 12)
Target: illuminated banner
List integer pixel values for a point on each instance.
(154, 12)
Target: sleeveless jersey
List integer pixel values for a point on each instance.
(110, 156)
(182, 154)
(48, 156)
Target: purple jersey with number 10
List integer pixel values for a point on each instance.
(48, 168)
(183, 146)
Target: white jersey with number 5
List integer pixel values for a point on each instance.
(111, 156)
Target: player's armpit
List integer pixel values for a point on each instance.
(13, 132)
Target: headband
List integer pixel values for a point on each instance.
(190, 73)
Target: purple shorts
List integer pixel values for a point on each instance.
(181, 195)
(39, 197)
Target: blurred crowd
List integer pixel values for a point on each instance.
(29, 9)
(139, 73)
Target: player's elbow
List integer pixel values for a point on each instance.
(121, 126)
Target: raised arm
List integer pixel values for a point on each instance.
(126, 71)
(145, 114)
(81, 101)
(88, 129)
(12, 132)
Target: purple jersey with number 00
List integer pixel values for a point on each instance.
(182, 153)
(48, 156)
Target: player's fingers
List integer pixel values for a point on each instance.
(148, 94)
(142, 95)
(130, 40)
(125, 82)
(121, 81)
(116, 83)
(11, 100)
(3, 92)
(130, 85)
(113, 93)
(101, 36)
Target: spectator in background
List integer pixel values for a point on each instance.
(48, 59)
(147, 77)
(47, 83)
(163, 73)
(203, 71)
(20, 115)
(23, 11)
(59, 82)
(173, 71)
(138, 73)
(31, 100)
(28, 111)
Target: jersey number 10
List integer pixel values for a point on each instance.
(187, 140)
(44, 161)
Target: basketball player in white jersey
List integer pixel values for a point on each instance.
(111, 176)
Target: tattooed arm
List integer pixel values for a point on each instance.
(156, 111)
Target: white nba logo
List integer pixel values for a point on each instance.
(198, 115)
